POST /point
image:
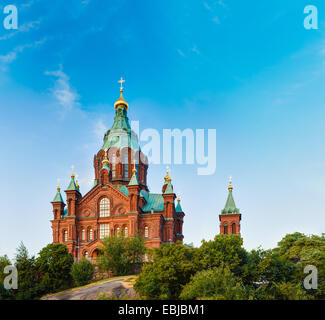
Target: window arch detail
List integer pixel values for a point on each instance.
(104, 208)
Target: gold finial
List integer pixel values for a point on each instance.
(121, 102)
(230, 187)
(77, 185)
(72, 174)
(168, 178)
(58, 188)
(105, 160)
(179, 199)
(134, 167)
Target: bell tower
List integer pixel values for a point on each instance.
(230, 216)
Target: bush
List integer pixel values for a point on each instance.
(82, 272)
(217, 284)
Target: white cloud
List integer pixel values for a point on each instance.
(100, 129)
(180, 52)
(26, 27)
(11, 56)
(216, 20)
(62, 91)
(195, 49)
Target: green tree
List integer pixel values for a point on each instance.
(4, 293)
(54, 266)
(82, 272)
(28, 284)
(121, 255)
(171, 268)
(224, 250)
(217, 284)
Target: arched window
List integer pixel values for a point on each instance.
(118, 231)
(86, 254)
(91, 234)
(225, 229)
(114, 165)
(65, 235)
(126, 166)
(146, 232)
(104, 208)
(233, 228)
(126, 232)
(83, 234)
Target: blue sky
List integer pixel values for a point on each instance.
(249, 69)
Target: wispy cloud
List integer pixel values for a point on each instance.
(100, 129)
(26, 27)
(216, 20)
(62, 91)
(11, 56)
(195, 49)
(180, 52)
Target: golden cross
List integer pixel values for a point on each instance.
(121, 82)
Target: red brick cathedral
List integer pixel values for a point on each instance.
(230, 216)
(120, 201)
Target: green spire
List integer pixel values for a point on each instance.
(72, 185)
(58, 197)
(134, 179)
(178, 208)
(230, 207)
(169, 188)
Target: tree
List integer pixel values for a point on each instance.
(28, 282)
(4, 293)
(171, 268)
(121, 255)
(54, 266)
(224, 250)
(217, 284)
(82, 272)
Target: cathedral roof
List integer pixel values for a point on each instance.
(134, 180)
(230, 207)
(178, 208)
(169, 188)
(72, 185)
(155, 201)
(58, 197)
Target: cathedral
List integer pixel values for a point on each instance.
(120, 201)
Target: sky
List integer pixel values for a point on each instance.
(248, 69)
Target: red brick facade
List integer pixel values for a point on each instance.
(120, 201)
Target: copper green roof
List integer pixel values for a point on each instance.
(178, 208)
(72, 185)
(134, 180)
(120, 135)
(169, 188)
(155, 201)
(58, 197)
(230, 207)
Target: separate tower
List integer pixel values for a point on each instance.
(230, 216)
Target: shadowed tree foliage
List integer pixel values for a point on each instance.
(121, 255)
(82, 272)
(171, 268)
(54, 266)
